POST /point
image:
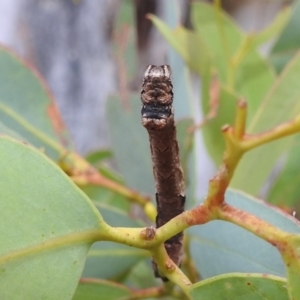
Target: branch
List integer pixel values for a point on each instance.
(278, 132)
(82, 173)
(264, 230)
(237, 144)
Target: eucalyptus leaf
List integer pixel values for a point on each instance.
(281, 104)
(98, 156)
(91, 289)
(108, 260)
(46, 226)
(105, 196)
(220, 247)
(187, 44)
(130, 143)
(27, 106)
(211, 130)
(217, 47)
(288, 43)
(238, 65)
(242, 287)
(292, 261)
(285, 190)
(10, 132)
(274, 29)
(141, 276)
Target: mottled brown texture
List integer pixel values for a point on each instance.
(158, 119)
(148, 233)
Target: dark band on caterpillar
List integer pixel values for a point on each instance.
(156, 96)
(158, 119)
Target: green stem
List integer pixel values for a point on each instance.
(240, 120)
(251, 223)
(138, 237)
(169, 269)
(278, 132)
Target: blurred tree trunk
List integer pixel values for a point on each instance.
(70, 43)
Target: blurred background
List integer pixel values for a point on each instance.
(73, 44)
(90, 50)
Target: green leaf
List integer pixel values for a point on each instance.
(218, 47)
(10, 132)
(220, 247)
(281, 104)
(187, 159)
(130, 144)
(92, 289)
(105, 196)
(117, 217)
(107, 259)
(46, 226)
(211, 131)
(98, 156)
(273, 29)
(288, 43)
(27, 107)
(218, 32)
(141, 276)
(285, 190)
(185, 143)
(242, 287)
(185, 139)
(181, 76)
(187, 44)
(238, 65)
(291, 257)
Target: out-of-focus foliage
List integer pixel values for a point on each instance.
(217, 48)
(44, 215)
(288, 43)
